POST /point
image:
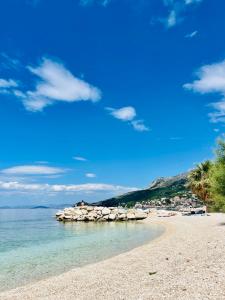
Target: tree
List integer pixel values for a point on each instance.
(199, 181)
(217, 178)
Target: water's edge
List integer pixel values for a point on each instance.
(52, 249)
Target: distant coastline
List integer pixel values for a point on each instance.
(37, 206)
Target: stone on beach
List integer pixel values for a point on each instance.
(105, 211)
(99, 214)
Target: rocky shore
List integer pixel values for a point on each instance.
(99, 214)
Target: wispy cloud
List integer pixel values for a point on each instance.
(139, 125)
(191, 35)
(32, 170)
(176, 11)
(7, 84)
(187, 2)
(211, 79)
(172, 18)
(80, 158)
(8, 62)
(57, 188)
(128, 114)
(90, 175)
(54, 84)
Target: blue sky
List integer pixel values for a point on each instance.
(100, 97)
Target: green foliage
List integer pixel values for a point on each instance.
(217, 178)
(199, 181)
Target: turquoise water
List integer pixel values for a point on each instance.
(33, 245)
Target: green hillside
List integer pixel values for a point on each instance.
(162, 187)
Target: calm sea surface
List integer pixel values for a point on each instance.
(33, 245)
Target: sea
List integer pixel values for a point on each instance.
(34, 246)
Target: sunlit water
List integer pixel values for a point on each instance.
(33, 245)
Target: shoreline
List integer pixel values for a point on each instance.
(177, 264)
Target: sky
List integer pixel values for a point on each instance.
(100, 97)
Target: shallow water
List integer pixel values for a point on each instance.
(33, 245)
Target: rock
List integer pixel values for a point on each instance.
(112, 217)
(121, 211)
(81, 218)
(165, 214)
(105, 211)
(130, 216)
(152, 273)
(102, 220)
(60, 218)
(68, 217)
(114, 211)
(89, 208)
(122, 217)
(140, 215)
(78, 212)
(92, 214)
(98, 208)
(100, 214)
(59, 213)
(68, 212)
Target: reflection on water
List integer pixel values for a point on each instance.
(34, 240)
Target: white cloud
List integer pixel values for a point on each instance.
(191, 35)
(55, 84)
(10, 83)
(211, 79)
(32, 170)
(88, 187)
(172, 19)
(139, 125)
(79, 158)
(90, 175)
(127, 113)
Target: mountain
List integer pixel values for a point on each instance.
(162, 187)
(40, 207)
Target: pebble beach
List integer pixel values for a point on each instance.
(186, 262)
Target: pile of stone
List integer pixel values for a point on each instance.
(99, 214)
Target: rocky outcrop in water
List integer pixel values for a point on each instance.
(99, 214)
